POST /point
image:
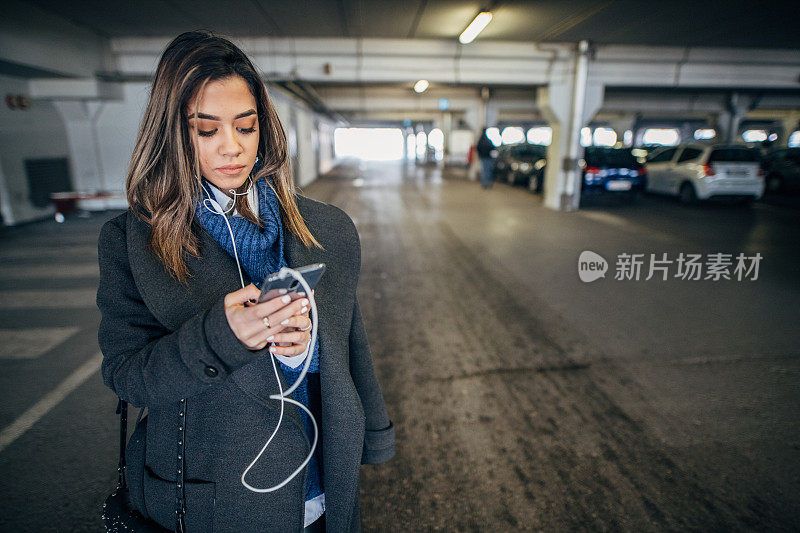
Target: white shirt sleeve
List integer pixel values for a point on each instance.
(292, 361)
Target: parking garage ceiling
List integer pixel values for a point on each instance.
(669, 23)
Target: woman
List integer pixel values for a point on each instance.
(181, 336)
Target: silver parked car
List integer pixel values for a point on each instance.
(698, 172)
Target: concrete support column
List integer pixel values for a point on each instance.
(405, 145)
(687, 132)
(790, 123)
(728, 121)
(492, 114)
(622, 124)
(85, 165)
(447, 129)
(419, 128)
(473, 117)
(483, 109)
(479, 115)
(436, 124)
(568, 102)
(412, 159)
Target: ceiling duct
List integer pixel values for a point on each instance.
(306, 93)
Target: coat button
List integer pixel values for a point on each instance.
(211, 372)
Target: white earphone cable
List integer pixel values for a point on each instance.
(282, 397)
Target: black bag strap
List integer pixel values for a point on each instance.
(122, 411)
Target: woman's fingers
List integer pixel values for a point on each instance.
(300, 322)
(283, 313)
(278, 316)
(294, 337)
(271, 306)
(241, 296)
(287, 318)
(290, 349)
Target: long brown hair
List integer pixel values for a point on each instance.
(162, 184)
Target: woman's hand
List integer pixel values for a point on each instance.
(247, 321)
(295, 336)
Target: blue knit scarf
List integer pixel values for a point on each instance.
(260, 253)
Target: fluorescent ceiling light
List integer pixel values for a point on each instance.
(420, 86)
(475, 27)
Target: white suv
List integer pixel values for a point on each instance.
(697, 172)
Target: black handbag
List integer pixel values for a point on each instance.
(118, 514)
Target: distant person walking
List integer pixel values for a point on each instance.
(485, 148)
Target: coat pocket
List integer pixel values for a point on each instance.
(200, 500)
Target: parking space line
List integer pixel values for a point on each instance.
(43, 253)
(78, 270)
(48, 299)
(30, 343)
(625, 225)
(22, 424)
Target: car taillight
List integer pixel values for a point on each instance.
(592, 170)
(760, 173)
(643, 171)
(708, 169)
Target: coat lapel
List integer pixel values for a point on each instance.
(341, 408)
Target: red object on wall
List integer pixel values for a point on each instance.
(471, 155)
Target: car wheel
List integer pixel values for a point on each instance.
(688, 194)
(774, 184)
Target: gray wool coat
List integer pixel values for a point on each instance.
(163, 341)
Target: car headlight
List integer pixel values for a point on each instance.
(514, 166)
(525, 167)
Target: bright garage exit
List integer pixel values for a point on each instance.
(369, 144)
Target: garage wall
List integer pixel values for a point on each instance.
(309, 134)
(117, 125)
(323, 145)
(37, 132)
(119, 122)
(40, 132)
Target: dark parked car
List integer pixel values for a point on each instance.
(521, 164)
(612, 171)
(782, 169)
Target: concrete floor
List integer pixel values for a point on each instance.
(524, 399)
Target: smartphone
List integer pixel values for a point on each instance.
(274, 286)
